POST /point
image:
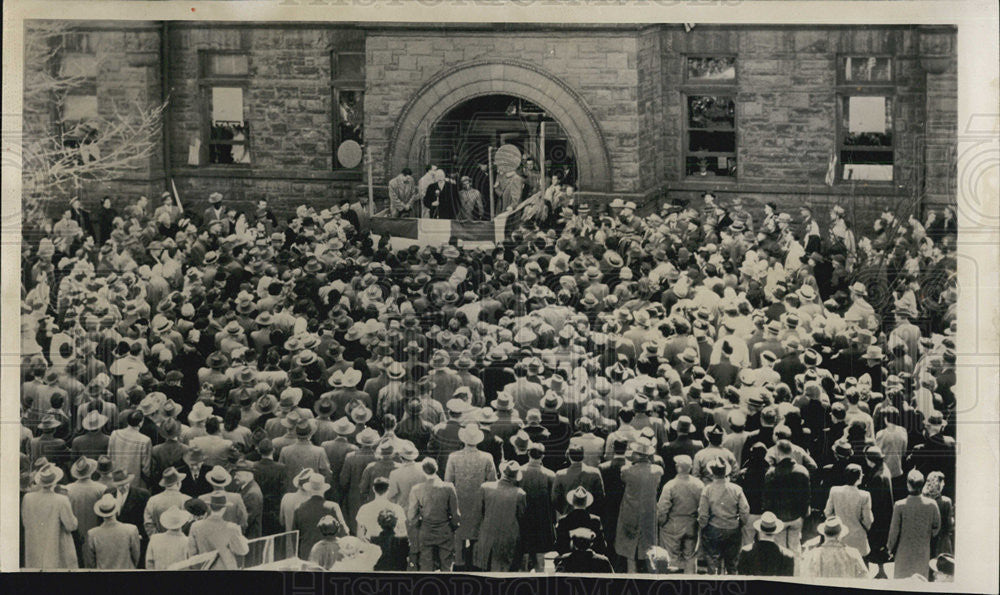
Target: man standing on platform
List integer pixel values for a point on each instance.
(441, 197)
(403, 195)
(470, 201)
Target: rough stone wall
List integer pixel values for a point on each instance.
(786, 96)
(601, 67)
(650, 71)
(128, 78)
(288, 102)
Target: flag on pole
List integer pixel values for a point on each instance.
(831, 169)
(177, 196)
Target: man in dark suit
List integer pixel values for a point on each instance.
(216, 212)
(81, 216)
(786, 493)
(614, 489)
(765, 557)
(580, 501)
(583, 558)
(574, 476)
(683, 445)
(270, 476)
(195, 484)
(441, 197)
(560, 432)
(131, 506)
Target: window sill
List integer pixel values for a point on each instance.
(719, 185)
(259, 173)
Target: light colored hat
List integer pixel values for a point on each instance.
(83, 467)
(107, 506)
(315, 485)
(94, 421)
(769, 524)
(367, 437)
(471, 435)
(174, 518)
(218, 477)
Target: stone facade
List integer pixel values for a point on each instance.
(617, 90)
(600, 68)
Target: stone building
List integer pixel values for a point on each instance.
(646, 113)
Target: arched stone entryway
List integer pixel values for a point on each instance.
(510, 77)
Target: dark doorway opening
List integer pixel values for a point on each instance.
(459, 142)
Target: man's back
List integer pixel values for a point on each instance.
(766, 558)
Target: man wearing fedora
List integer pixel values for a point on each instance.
(171, 495)
(235, 511)
(112, 545)
(832, 558)
(169, 546)
(444, 438)
(575, 475)
(433, 512)
(723, 510)
(677, 515)
(82, 494)
(130, 449)
(581, 556)
(168, 453)
(270, 477)
(786, 493)
(352, 470)
(637, 528)
(337, 449)
(302, 453)
(194, 470)
(765, 557)
(916, 520)
(579, 516)
(502, 505)
(307, 515)
(215, 534)
(508, 422)
(382, 466)
(93, 442)
(683, 444)
(132, 502)
(936, 452)
(468, 469)
(48, 521)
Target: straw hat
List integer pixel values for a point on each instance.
(174, 518)
(471, 435)
(106, 507)
(769, 524)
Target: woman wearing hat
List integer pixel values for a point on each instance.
(502, 505)
(468, 469)
(49, 523)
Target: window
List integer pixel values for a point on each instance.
(710, 136)
(711, 69)
(228, 138)
(865, 139)
(225, 76)
(348, 70)
(77, 70)
(710, 117)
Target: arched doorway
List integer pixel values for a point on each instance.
(414, 130)
(459, 142)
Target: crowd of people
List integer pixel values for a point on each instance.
(688, 390)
